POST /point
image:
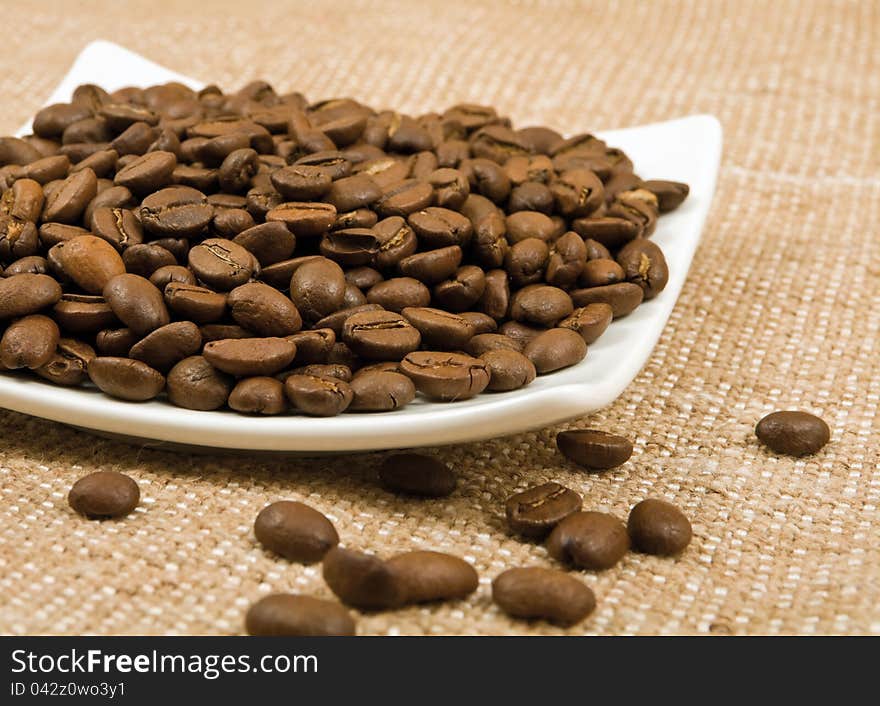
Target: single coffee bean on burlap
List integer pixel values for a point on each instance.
(544, 594)
(295, 531)
(288, 615)
(658, 527)
(103, 495)
(589, 540)
(793, 433)
(593, 449)
(416, 474)
(426, 576)
(361, 580)
(536, 511)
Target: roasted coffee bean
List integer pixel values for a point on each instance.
(446, 377)
(168, 345)
(115, 342)
(263, 310)
(17, 238)
(148, 173)
(14, 150)
(269, 242)
(546, 594)
(301, 182)
(352, 247)
(326, 370)
(145, 258)
(66, 203)
(589, 321)
(51, 121)
(670, 194)
(531, 196)
(609, 231)
(462, 291)
(359, 218)
(69, 364)
(295, 531)
(287, 615)
(439, 329)
(235, 173)
(229, 222)
(540, 304)
(495, 300)
(47, 169)
(25, 294)
(221, 263)
(333, 163)
(658, 527)
(362, 581)
(278, 274)
(318, 396)
(125, 378)
(432, 266)
(29, 342)
(539, 139)
(381, 391)
(589, 540)
(426, 576)
(481, 322)
(118, 226)
(258, 395)
(313, 346)
(31, 264)
(555, 349)
(599, 273)
(171, 273)
(508, 370)
(593, 449)
(451, 187)
(195, 384)
(526, 260)
(337, 319)
(642, 262)
(577, 193)
(136, 302)
(638, 206)
(177, 211)
(250, 356)
(218, 332)
(317, 288)
(416, 474)
(304, 219)
(51, 234)
(623, 297)
(404, 198)
(399, 293)
(198, 304)
(483, 343)
(353, 296)
(112, 197)
(529, 224)
(350, 193)
(522, 169)
(104, 494)
(90, 262)
(536, 511)
(793, 433)
(380, 335)
(23, 201)
(520, 334)
(440, 227)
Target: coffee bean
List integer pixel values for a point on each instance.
(317, 288)
(136, 302)
(536, 511)
(601, 272)
(263, 310)
(481, 322)
(416, 474)
(69, 365)
(287, 615)
(589, 540)
(508, 370)
(540, 304)
(166, 274)
(398, 293)
(406, 197)
(168, 345)
(125, 378)
(221, 264)
(589, 321)
(104, 494)
(555, 349)
(793, 433)
(318, 396)
(432, 266)
(258, 395)
(440, 227)
(29, 342)
(670, 194)
(484, 343)
(313, 346)
(194, 383)
(304, 219)
(327, 370)
(301, 182)
(25, 294)
(545, 594)
(115, 342)
(593, 449)
(67, 203)
(526, 260)
(362, 581)
(658, 527)
(90, 262)
(176, 212)
(145, 258)
(118, 226)
(269, 242)
(250, 356)
(439, 329)
(446, 377)
(295, 531)
(352, 247)
(381, 391)
(237, 169)
(607, 231)
(643, 263)
(426, 576)
(380, 335)
(148, 173)
(623, 297)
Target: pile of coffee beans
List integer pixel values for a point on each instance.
(256, 251)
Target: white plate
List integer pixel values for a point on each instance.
(687, 149)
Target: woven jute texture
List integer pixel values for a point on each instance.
(781, 310)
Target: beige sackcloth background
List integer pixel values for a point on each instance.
(781, 310)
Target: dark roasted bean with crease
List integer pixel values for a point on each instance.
(589, 540)
(416, 474)
(508, 370)
(593, 449)
(318, 396)
(536, 511)
(546, 594)
(555, 349)
(623, 297)
(446, 376)
(296, 531)
(793, 433)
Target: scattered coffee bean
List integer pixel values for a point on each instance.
(589, 540)
(658, 527)
(593, 449)
(793, 433)
(288, 615)
(295, 531)
(425, 576)
(416, 474)
(104, 494)
(362, 581)
(544, 594)
(536, 511)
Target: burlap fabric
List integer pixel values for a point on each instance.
(781, 310)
